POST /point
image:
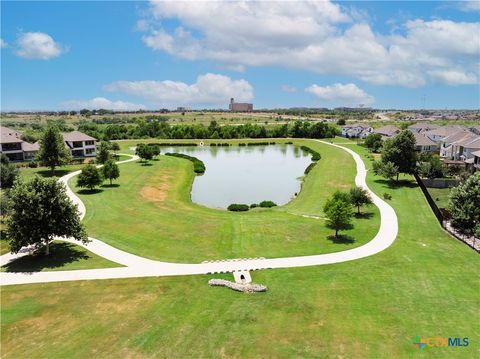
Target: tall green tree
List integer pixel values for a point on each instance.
(359, 197)
(374, 142)
(464, 204)
(8, 172)
(53, 152)
(40, 210)
(144, 152)
(339, 213)
(103, 152)
(90, 177)
(115, 147)
(387, 170)
(400, 150)
(110, 170)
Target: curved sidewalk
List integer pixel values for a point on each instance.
(136, 266)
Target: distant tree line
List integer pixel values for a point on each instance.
(161, 129)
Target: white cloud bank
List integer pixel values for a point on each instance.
(100, 103)
(344, 94)
(38, 46)
(319, 36)
(3, 43)
(209, 89)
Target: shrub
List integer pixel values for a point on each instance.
(267, 204)
(236, 207)
(242, 144)
(254, 205)
(310, 167)
(387, 196)
(315, 155)
(32, 164)
(198, 166)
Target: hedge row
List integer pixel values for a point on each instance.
(198, 166)
(220, 144)
(236, 207)
(310, 167)
(315, 155)
(173, 144)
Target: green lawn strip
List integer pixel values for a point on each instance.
(440, 196)
(150, 214)
(425, 284)
(64, 256)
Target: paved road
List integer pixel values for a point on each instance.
(135, 266)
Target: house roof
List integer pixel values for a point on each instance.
(421, 140)
(469, 141)
(362, 125)
(456, 136)
(476, 153)
(444, 131)
(76, 136)
(7, 135)
(423, 126)
(388, 130)
(30, 147)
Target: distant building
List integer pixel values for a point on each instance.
(358, 130)
(184, 109)
(240, 106)
(422, 127)
(424, 144)
(387, 131)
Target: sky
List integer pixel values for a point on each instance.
(120, 55)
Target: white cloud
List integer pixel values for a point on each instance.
(307, 35)
(3, 43)
(469, 5)
(209, 89)
(455, 77)
(344, 94)
(288, 88)
(100, 103)
(38, 45)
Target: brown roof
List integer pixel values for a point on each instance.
(445, 130)
(388, 130)
(7, 135)
(77, 136)
(421, 140)
(362, 125)
(30, 147)
(456, 136)
(424, 126)
(469, 141)
(476, 153)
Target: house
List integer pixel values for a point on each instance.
(475, 129)
(424, 144)
(422, 127)
(80, 144)
(464, 148)
(240, 106)
(447, 150)
(11, 144)
(359, 130)
(440, 133)
(16, 149)
(388, 131)
(475, 165)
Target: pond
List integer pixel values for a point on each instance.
(246, 174)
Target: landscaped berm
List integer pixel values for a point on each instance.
(425, 285)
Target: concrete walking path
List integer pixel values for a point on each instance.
(136, 266)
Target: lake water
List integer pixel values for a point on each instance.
(246, 174)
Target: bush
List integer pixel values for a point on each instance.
(254, 205)
(310, 167)
(235, 207)
(315, 155)
(387, 196)
(267, 204)
(32, 164)
(198, 166)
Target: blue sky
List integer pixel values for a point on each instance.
(128, 55)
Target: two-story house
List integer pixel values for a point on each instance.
(11, 144)
(358, 130)
(80, 144)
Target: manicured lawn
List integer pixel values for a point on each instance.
(150, 214)
(440, 196)
(63, 256)
(426, 284)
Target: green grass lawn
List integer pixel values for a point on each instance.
(440, 196)
(150, 214)
(63, 256)
(426, 284)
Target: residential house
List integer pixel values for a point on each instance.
(447, 149)
(80, 144)
(424, 144)
(11, 144)
(475, 162)
(440, 133)
(422, 127)
(464, 148)
(358, 130)
(475, 129)
(388, 131)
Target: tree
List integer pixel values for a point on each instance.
(8, 172)
(341, 122)
(90, 177)
(464, 204)
(103, 152)
(155, 150)
(110, 170)
(53, 151)
(374, 142)
(387, 170)
(115, 147)
(40, 210)
(359, 197)
(430, 166)
(144, 152)
(400, 150)
(339, 213)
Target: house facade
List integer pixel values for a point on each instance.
(358, 130)
(424, 144)
(80, 144)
